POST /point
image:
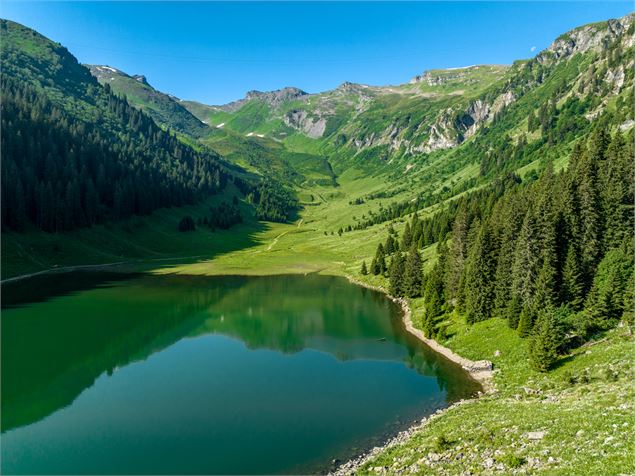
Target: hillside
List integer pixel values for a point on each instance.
(495, 201)
(162, 108)
(74, 154)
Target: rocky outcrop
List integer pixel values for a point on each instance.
(272, 98)
(438, 77)
(589, 38)
(312, 126)
(141, 78)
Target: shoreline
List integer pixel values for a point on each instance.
(480, 371)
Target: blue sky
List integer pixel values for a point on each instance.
(215, 52)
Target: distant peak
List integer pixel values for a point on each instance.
(141, 78)
(347, 86)
(283, 94)
(435, 77)
(104, 69)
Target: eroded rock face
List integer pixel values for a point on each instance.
(272, 98)
(588, 38)
(312, 126)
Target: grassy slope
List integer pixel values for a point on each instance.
(585, 407)
(588, 425)
(493, 427)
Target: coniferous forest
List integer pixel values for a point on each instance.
(59, 174)
(448, 257)
(552, 256)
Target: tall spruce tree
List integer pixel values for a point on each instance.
(433, 298)
(543, 349)
(480, 270)
(364, 269)
(572, 285)
(396, 275)
(412, 273)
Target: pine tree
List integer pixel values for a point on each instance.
(605, 302)
(479, 276)
(616, 183)
(364, 270)
(543, 350)
(406, 239)
(572, 285)
(457, 256)
(378, 265)
(513, 311)
(526, 263)
(590, 220)
(532, 121)
(396, 275)
(412, 273)
(389, 247)
(526, 321)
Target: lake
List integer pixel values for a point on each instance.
(112, 373)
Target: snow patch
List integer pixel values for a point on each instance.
(107, 68)
(220, 125)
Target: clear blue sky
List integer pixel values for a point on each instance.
(215, 52)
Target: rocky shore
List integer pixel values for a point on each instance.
(481, 371)
(353, 465)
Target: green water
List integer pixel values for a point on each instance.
(197, 375)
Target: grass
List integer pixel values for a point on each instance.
(585, 405)
(587, 422)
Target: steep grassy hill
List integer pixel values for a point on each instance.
(164, 109)
(487, 156)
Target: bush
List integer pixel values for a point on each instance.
(187, 224)
(513, 461)
(442, 444)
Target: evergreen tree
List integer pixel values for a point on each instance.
(526, 321)
(378, 265)
(616, 196)
(572, 285)
(611, 284)
(412, 273)
(364, 270)
(396, 275)
(526, 263)
(589, 202)
(389, 248)
(406, 239)
(479, 274)
(547, 338)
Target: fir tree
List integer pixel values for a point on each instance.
(389, 248)
(434, 299)
(396, 275)
(526, 321)
(406, 239)
(543, 350)
(364, 270)
(572, 285)
(412, 273)
(378, 265)
(479, 275)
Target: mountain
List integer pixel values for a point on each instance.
(164, 109)
(442, 109)
(74, 154)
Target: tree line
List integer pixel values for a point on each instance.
(554, 257)
(61, 173)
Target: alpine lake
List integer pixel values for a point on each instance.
(110, 373)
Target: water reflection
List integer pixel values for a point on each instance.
(53, 348)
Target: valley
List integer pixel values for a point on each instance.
(506, 193)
